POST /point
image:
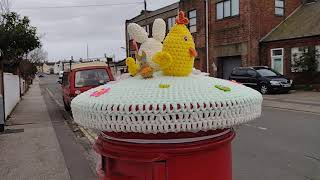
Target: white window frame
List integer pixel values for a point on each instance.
(294, 51)
(317, 47)
(223, 9)
(277, 56)
(147, 29)
(298, 51)
(171, 22)
(279, 7)
(194, 17)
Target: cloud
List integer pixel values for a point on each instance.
(67, 31)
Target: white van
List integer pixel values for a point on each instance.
(60, 77)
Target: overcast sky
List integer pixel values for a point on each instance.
(67, 31)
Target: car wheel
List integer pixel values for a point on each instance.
(66, 106)
(264, 89)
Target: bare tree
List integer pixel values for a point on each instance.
(4, 6)
(38, 55)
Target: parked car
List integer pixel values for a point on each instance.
(41, 75)
(83, 77)
(261, 78)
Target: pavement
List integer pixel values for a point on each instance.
(38, 144)
(303, 101)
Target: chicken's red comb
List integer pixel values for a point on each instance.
(182, 19)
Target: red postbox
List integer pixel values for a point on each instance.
(166, 159)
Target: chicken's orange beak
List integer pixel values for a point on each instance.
(193, 52)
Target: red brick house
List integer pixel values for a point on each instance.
(297, 33)
(235, 29)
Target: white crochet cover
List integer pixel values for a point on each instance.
(167, 104)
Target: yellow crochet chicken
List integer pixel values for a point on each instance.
(133, 67)
(178, 52)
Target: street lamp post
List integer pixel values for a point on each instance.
(125, 49)
(2, 110)
(70, 62)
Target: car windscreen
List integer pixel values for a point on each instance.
(267, 72)
(92, 77)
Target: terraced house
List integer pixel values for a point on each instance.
(232, 33)
(298, 34)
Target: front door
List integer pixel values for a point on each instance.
(277, 59)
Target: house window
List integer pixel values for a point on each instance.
(193, 21)
(279, 7)
(171, 22)
(147, 28)
(277, 59)
(227, 8)
(298, 52)
(132, 54)
(234, 7)
(318, 56)
(219, 10)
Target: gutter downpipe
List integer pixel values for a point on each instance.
(207, 36)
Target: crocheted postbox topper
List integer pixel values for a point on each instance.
(165, 103)
(178, 52)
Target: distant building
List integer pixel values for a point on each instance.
(57, 67)
(48, 67)
(39, 67)
(119, 67)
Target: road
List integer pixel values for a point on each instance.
(282, 144)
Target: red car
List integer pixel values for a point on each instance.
(83, 77)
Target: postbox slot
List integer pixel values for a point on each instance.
(130, 170)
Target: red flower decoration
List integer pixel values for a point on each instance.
(100, 92)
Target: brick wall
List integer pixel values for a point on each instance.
(200, 35)
(267, 14)
(265, 56)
